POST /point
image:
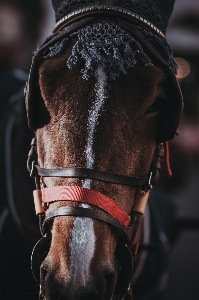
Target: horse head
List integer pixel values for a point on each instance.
(101, 107)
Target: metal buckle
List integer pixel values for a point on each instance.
(32, 169)
(149, 182)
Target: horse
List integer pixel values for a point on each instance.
(102, 121)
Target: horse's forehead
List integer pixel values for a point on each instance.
(149, 77)
(55, 76)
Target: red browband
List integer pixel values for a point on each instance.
(84, 195)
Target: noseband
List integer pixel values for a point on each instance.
(100, 206)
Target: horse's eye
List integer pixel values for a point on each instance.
(157, 105)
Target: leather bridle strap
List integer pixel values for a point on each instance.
(92, 174)
(86, 212)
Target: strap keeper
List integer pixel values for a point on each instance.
(140, 202)
(38, 202)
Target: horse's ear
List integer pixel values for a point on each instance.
(167, 6)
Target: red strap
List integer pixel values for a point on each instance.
(77, 193)
(167, 158)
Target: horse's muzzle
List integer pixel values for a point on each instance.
(101, 288)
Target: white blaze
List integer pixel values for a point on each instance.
(94, 113)
(82, 252)
(83, 236)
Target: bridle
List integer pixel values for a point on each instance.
(100, 206)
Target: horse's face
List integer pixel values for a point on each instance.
(107, 125)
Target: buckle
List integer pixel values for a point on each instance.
(32, 171)
(149, 182)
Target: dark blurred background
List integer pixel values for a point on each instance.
(23, 25)
(183, 35)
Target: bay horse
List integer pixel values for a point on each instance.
(100, 120)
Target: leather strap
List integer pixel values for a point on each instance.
(88, 213)
(92, 174)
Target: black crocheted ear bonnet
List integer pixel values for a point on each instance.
(105, 43)
(157, 12)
